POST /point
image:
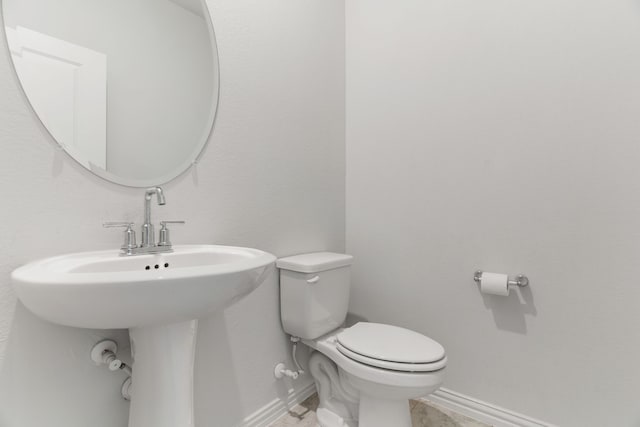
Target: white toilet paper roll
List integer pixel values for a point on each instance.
(494, 284)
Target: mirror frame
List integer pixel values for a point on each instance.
(198, 151)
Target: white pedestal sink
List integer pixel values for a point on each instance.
(158, 297)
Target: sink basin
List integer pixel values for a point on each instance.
(158, 297)
(104, 290)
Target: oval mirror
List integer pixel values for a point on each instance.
(129, 88)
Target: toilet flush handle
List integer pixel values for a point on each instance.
(314, 279)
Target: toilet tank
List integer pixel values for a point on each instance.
(314, 293)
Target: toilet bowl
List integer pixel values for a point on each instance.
(365, 374)
(381, 393)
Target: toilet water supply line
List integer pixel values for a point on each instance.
(295, 341)
(281, 370)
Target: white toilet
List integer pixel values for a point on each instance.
(365, 374)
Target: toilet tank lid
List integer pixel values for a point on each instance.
(314, 262)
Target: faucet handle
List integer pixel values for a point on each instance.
(164, 240)
(111, 224)
(129, 234)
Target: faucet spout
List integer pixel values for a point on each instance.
(147, 201)
(158, 192)
(148, 237)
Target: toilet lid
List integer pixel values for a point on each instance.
(386, 343)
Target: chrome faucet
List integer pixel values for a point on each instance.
(148, 237)
(148, 244)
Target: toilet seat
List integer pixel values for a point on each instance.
(328, 345)
(391, 347)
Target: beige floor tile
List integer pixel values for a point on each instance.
(428, 414)
(423, 414)
(302, 415)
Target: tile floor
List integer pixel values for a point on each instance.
(423, 414)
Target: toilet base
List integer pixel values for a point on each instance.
(376, 412)
(354, 394)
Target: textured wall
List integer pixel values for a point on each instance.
(272, 178)
(502, 135)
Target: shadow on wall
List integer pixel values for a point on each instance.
(509, 313)
(217, 397)
(48, 379)
(353, 318)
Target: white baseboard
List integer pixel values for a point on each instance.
(266, 415)
(456, 402)
(482, 411)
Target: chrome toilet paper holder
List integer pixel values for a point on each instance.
(521, 280)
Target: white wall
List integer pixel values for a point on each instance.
(502, 135)
(272, 178)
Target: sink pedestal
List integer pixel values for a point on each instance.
(162, 380)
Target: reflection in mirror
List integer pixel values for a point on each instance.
(128, 88)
